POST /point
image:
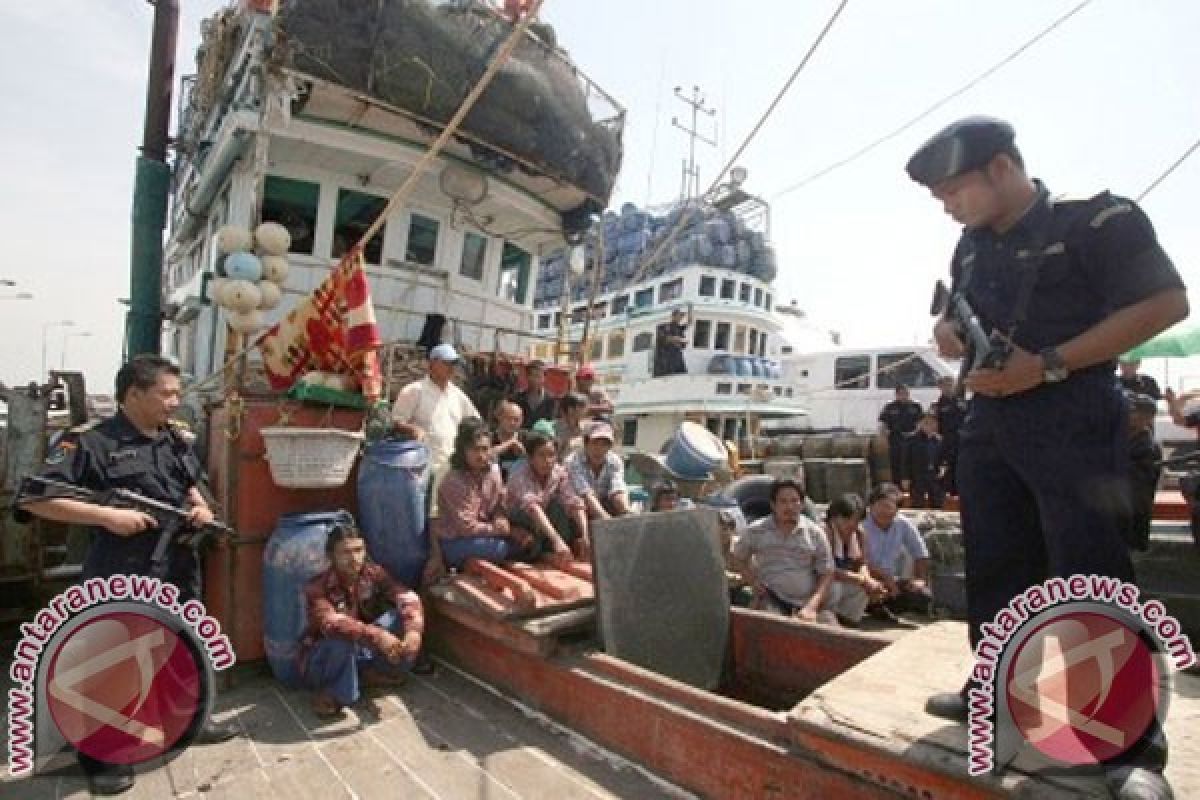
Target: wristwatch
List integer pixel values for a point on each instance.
(1054, 369)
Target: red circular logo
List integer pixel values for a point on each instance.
(1083, 688)
(125, 687)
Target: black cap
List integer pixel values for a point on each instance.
(960, 147)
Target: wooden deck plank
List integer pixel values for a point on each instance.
(595, 767)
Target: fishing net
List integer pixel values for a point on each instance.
(425, 56)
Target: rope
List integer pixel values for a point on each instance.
(502, 56)
(971, 84)
(1154, 184)
(686, 217)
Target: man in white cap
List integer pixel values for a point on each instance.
(430, 409)
(598, 474)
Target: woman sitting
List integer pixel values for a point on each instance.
(472, 523)
(540, 501)
(854, 588)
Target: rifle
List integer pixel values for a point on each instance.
(983, 351)
(172, 521)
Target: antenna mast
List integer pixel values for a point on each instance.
(690, 184)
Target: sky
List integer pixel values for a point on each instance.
(1105, 101)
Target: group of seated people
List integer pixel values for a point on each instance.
(838, 572)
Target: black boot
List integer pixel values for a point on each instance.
(949, 705)
(106, 779)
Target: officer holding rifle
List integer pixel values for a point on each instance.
(137, 449)
(1060, 287)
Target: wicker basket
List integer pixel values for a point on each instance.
(311, 458)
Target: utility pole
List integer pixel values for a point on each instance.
(152, 184)
(691, 173)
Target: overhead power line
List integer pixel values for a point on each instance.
(1154, 184)
(966, 87)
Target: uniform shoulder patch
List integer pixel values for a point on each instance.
(1105, 214)
(1068, 199)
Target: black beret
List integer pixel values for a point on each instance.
(960, 147)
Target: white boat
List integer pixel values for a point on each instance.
(734, 379)
(266, 133)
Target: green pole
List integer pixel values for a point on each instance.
(152, 183)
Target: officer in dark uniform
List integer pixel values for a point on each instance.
(950, 409)
(899, 419)
(1133, 381)
(140, 450)
(1042, 452)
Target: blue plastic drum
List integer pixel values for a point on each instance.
(294, 555)
(695, 452)
(392, 479)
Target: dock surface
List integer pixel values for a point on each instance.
(439, 736)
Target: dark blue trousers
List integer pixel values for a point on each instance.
(1043, 482)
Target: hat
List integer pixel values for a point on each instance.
(586, 371)
(600, 430)
(960, 147)
(444, 352)
(545, 427)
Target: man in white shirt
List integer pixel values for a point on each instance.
(431, 409)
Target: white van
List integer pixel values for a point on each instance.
(847, 388)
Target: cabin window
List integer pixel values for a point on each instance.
(729, 430)
(768, 306)
(629, 433)
(904, 368)
(852, 372)
(778, 391)
(724, 388)
(543, 321)
(739, 339)
(643, 341)
(762, 344)
(670, 290)
(596, 349)
(758, 297)
(708, 286)
(644, 298)
(514, 274)
(422, 240)
(786, 349)
(620, 304)
(728, 287)
(616, 345)
(744, 388)
(578, 315)
(721, 340)
(293, 204)
(787, 392)
(474, 251)
(744, 293)
(355, 213)
(753, 341)
(600, 310)
(702, 333)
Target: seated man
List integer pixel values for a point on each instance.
(665, 497)
(568, 428)
(598, 474)
(786, 558)
(542, 504)
(359, 619)
(888, 536)
(507, 447)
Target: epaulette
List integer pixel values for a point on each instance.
(1065, 199)
(85, 427)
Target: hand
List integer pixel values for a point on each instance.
(891, 586)
(409, 646)
(390, 646)
(127, 522)
(199, 516)
(949, 344)
(1022, 372)
(501, 526)
(917, 584)
(805, 614)
(522, 537)
(872, 587)
(561, 556)
(583, 549)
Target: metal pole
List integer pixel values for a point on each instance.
(152, 184)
